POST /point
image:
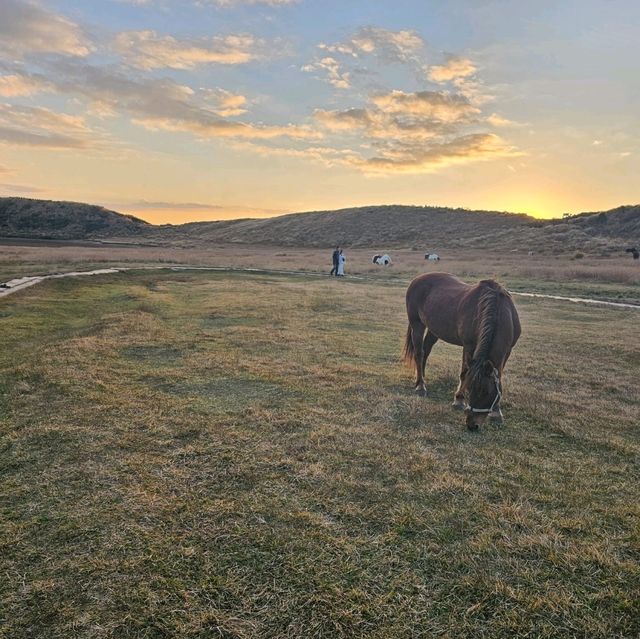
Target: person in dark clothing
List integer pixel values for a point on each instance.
(336, 261)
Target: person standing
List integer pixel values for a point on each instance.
(341, 260)
(336, 261)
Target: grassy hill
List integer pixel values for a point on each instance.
(367, 226)
(420, 227)
(25, 217)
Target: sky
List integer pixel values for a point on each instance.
(182, 110)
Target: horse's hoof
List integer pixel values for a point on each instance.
(457, 406)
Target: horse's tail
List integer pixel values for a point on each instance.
(409, 352)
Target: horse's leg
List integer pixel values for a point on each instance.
(429, 341)
(458, 398)
(496, 415)
(417, 336)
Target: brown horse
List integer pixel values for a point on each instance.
(482, 319)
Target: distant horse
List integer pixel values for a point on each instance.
(432, 257)
(482, 319)
(634, 252)
(382, 260)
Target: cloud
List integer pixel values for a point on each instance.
(399, 132)
(429, 157)
(169, 212)
(225, 103)
(161, 103)
(346, 120)
(148, 50)
(224, 128)
(334, 74)
(19, 188)
(27, 27)
(17, 85)
(328, 156)
(386, 45)
(453, 69)
(403, 116)
(392, 46)
(377, 125)
(41, 127)
(461, 73)
(435, 105)
(497, 120)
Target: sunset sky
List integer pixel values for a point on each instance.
(179, 110)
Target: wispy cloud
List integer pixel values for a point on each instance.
(385, 45)
(225, 103)
(12, 189)
(41, 127)
(162, 104)
(149, 50)
(393, 46)
(332, 70)
(27, 27)
(16, 85)
(162, 212)
(498, 121)
(426, 158)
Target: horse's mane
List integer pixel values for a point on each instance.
(487, 321)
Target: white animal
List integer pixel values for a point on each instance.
(382, 260)
(432, 257)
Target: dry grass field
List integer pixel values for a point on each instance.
(615, 278)
(200, 455)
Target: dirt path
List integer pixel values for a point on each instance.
(19, 284)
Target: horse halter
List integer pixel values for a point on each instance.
(496, 377)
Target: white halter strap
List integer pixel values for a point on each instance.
(496, 377)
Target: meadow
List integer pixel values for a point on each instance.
(613, 278)
(241, 456)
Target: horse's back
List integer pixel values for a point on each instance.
(434, 299)
(429, 281)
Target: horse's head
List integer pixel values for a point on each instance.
(484, 390)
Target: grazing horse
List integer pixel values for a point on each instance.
(482, 319)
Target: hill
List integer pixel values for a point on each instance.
(366, 226)
(425, 228)
(421, 227)
(46, 219)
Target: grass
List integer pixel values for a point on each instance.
(614, 278)
(217, 455)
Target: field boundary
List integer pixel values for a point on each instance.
(19, 284)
